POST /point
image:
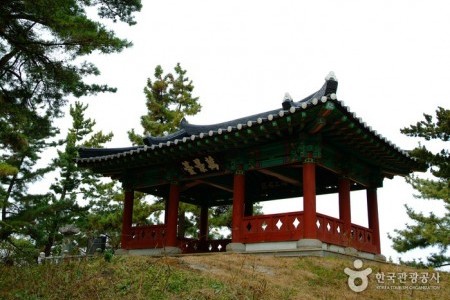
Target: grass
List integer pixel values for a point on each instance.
(218, 276)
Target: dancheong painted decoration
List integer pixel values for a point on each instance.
(302, 149)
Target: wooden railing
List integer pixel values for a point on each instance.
(272, 228)
(154, 236)
(289, 227)
(203, 246)
(260, 229)
(146, 237)
(330, 230)
(362, 239)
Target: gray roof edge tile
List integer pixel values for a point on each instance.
(188, 130)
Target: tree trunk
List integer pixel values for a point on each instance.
(8, 194)
(181, 223)
(9, 191)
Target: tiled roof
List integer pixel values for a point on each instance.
(189, 132)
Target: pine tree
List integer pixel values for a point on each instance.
(63, 207)
(40, 217)
(169, 100)
(429, 230)
(42, 44)
(14, 186)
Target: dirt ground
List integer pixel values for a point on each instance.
(271, 277)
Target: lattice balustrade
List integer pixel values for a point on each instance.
(271, 228)
(330, 229)
(362, 239)
(153, 236)
(198, 246)
(189, 245)
(257, 229)
(144, 237)
(289, 227)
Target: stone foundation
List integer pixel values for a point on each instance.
(308, 247)
(150, 252)
(303, 247)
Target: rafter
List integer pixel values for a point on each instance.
(198, 182)
(219, 186)
(281, 177)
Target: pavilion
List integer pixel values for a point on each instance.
(302, 149)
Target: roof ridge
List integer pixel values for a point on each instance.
(188, 130)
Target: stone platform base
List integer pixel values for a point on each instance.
(151, 252)
(236, 248)
(308, 247)
(303, 247)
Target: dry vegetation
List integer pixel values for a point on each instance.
(218, 276)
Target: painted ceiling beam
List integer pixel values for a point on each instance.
(281, 177)
(318, 124)
(219, 186)
(199, 182)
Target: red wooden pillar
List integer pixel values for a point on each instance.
(309, 199)
(344, 205)
(127, 218)
(203, 223)
(166, 211)
(372, 210)
(172, 215)
(238, 205)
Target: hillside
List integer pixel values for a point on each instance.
(214, 276)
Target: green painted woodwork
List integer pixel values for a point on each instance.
(326, 133)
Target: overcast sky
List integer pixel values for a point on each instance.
(391, 58)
